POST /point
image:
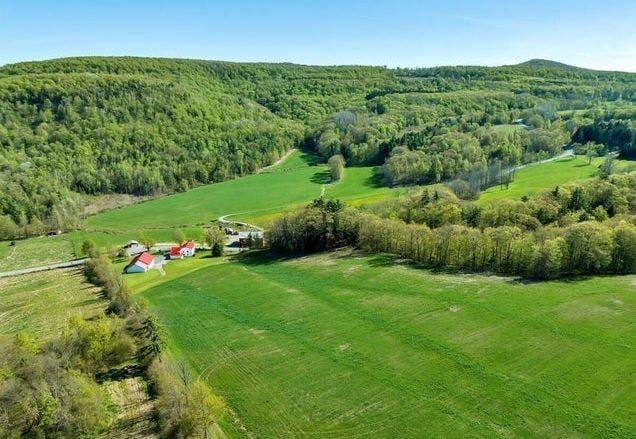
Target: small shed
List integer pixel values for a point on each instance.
(133, 247)
(251, 239)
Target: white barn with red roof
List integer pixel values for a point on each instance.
(141, 263)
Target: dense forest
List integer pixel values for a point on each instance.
(76, 126)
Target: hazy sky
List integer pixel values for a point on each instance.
(596, 34)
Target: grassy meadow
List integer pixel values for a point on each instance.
(35, 251)
(42, 303)
(544, 176)
(257, 199)
(294, 182)
(345, 344)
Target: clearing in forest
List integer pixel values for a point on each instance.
(533, 178)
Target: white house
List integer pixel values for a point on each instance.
(185, 250)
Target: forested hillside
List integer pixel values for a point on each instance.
(150, 126)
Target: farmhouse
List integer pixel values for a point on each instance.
(178, 252)
(141, 263)
(251, 239)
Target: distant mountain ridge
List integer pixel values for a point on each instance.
(70, 64)
(547, 63)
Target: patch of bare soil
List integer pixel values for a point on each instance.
(134, 410)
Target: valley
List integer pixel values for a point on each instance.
(400, 282)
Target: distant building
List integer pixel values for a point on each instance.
(133, 247)
(141, 263)
(251, 239)
(180, 251)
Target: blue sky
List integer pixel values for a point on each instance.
(595, 34)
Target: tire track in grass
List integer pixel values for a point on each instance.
(284, 399)
(241, 370)
(531, 392)
(358, 365)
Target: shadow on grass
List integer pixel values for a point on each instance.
(310, 158)
(377, 179)
(571, 278)
(99, 299)
(269, 257)
(322, 177)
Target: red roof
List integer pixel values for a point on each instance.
(175, 251)
(189, 244)
(145, 258)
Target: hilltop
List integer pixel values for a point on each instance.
(546, 63)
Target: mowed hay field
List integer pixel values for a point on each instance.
(35, 251)
(42, 303)
(348, 345)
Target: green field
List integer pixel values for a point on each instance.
(41, 303)
(294, 182)
(35, 251)
(344, 344)
(255, 198)
(546, 175)
(206, 203)
(358, 185)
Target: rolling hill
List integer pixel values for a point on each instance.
(146, 126)
(546, 63)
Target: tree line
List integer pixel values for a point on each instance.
(585, 228)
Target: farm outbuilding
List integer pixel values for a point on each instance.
(251, 239)
(141, 263)
(133, 247)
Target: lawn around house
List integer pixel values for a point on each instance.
(139, 282)
(345, 344)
